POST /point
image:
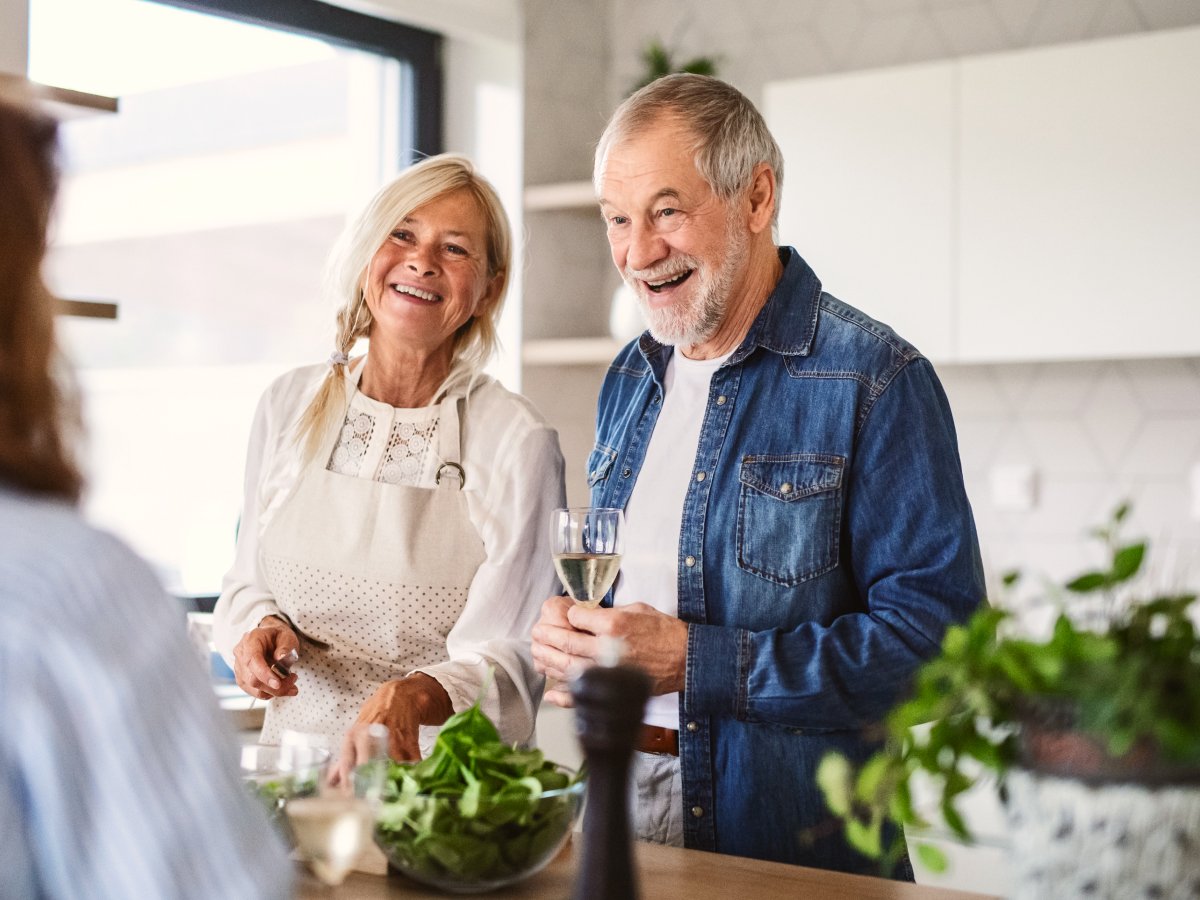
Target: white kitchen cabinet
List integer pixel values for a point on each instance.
(1079, 200)
(868, 191)
(1040, 204)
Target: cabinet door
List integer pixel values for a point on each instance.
(867, 193)
(1080, 200)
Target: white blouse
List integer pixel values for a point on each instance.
(514, 478)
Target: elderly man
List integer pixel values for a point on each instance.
(798, 532)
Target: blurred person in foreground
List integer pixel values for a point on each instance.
(798, 532)
(394, 525)
(118, 776)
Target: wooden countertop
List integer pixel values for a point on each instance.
(664, 873)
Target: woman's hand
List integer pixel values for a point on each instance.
(253, 655)
(402, 706)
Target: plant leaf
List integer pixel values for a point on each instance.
(1127, 561)
(834, 779)
(931, 857)
(701, 65)
(1092, 581)
(866, 836)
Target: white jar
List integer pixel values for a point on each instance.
(625, 320)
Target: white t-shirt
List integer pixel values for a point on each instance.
(654, 513)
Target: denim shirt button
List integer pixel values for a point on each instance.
(626, 472)
(700, 476)
(721, 400)
(698, 811)
(692, 726)
(785, 488)
(689, 561)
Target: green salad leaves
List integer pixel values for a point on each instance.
(476, 809)
(274, 793)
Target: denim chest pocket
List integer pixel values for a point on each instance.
(789, 515)
(600, 461)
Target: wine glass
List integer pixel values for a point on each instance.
(334, 827)
(587, 542)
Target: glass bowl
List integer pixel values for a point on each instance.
(275, 777)
(467, 845)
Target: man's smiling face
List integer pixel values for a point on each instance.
(677, 244)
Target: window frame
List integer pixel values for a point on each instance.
(418, 51)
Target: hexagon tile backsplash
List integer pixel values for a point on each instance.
(1093, 433)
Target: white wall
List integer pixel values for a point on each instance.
(474, 21)
(14, 36)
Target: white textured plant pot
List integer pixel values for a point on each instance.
(1115, 841)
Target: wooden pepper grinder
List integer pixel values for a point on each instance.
(609, 702)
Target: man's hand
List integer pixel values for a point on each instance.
(402, 706)
(552, 636)
(568, 636)
(254, 654)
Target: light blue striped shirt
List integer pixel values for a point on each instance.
(118, 776)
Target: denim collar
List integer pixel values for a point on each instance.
(785, 325)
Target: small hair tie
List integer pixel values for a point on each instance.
(338, 358)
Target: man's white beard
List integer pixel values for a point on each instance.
(697, 320)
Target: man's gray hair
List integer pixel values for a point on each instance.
(731, 135)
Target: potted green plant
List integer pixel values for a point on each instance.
(658, 61)
(1092, 735)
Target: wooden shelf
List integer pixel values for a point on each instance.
(560, 195)
(61, 103)
(87, 309)
(570, 351)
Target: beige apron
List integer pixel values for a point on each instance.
(373, 575)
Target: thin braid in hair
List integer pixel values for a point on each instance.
(328, 403)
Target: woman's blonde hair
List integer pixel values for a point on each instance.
(36, 410)
(421, 183)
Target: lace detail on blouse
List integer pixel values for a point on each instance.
(404, 459)
(352, 443)
(404, 456)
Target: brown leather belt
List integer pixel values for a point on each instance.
(654, 739)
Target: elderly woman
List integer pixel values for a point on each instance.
(393, 529)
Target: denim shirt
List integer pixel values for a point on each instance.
(826, 544)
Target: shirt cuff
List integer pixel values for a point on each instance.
(718, 663)
(226, 638)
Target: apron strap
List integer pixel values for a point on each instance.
(449, 445)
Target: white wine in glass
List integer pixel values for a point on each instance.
(587, 542)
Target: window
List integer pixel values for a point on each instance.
(204, 208)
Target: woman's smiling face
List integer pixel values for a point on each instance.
(431, 274)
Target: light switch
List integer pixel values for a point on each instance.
(1014, 487)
